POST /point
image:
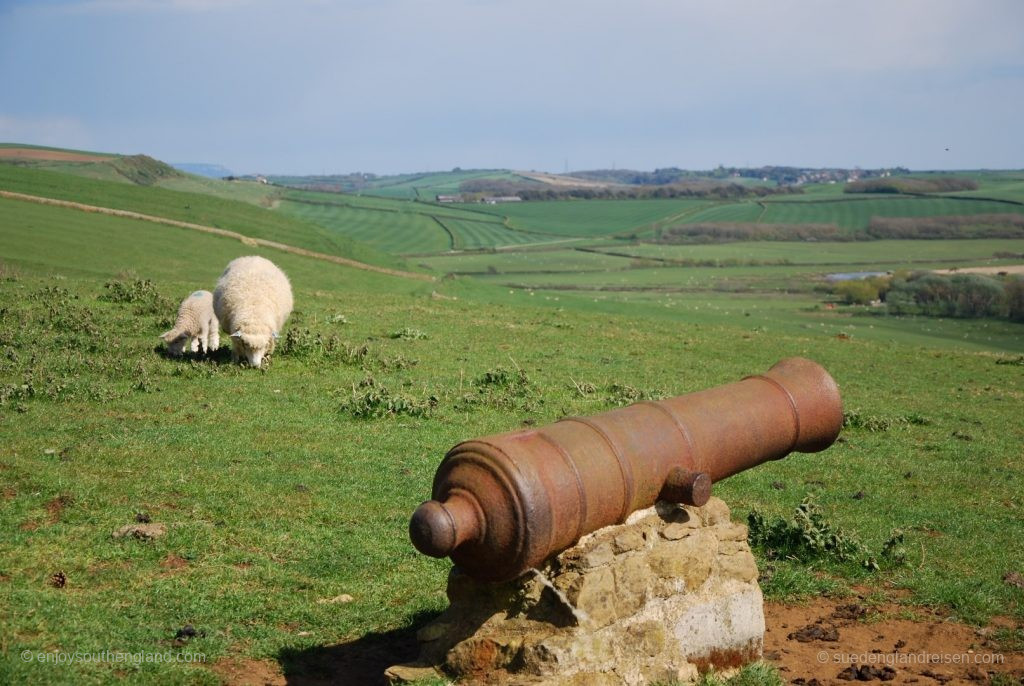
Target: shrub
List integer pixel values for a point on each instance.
(1013, 289)
(942, 184)
(944, 227)
(810, 536)
(376, 401)
(856, 291)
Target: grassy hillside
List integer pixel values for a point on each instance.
(195, 208)
(284, 489)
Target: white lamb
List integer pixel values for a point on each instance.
(253, 300)
(196, 326)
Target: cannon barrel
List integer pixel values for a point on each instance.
(504, 503)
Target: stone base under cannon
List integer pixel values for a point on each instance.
(670, 593)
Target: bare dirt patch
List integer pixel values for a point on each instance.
(249, 672)
(815, 643)
(48, 155)
(837, 641)
(55, 508)
(172, 562)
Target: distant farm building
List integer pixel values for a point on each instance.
(495, 199)
(449, 198)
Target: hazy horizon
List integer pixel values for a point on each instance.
(393, 86)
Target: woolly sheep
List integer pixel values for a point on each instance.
(252, 300)
(196, 326)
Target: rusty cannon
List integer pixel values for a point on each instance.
(503, 504)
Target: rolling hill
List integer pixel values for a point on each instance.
(284, 493)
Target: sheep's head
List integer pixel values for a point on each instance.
(254, 345)
(175, 340)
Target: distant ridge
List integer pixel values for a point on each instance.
(213, 171)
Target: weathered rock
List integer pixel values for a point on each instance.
(409, 674)
(671, 592)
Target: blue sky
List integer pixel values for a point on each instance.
(313, 86)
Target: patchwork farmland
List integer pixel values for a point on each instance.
(284, 493)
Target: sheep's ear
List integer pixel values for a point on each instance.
(237, 334)
(170, 335)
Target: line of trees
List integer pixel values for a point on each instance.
(967, 226)
(720, 232)
(941, 184)
(937, 295)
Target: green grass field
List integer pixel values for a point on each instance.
(973, 252)
(854, 214)
(590, 218)
(277, 498)
(195, 208)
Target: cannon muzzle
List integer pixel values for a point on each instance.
(503, 504)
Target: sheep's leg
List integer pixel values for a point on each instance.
(214, 327)
(192, 343)
(204, 340)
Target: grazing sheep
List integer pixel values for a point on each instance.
(196, 326)
(253, 299)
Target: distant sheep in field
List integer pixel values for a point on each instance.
(196, 326)
(252, 300)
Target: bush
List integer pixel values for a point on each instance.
(942, 184)
(856, 291)
(749, 231)
(1013, 289)
(951, 226)
(960, 295)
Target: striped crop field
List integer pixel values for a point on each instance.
(744, 211)
(392, 232)
(471, 235)
(591, 218)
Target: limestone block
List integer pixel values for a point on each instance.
(600, 555)
(632, 581)
(594, 594)
(690, 559)
(740, 566)
(668, 594)
(629, 539)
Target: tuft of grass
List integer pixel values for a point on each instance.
(623, 394)
(141, 292)
(754, 674)
(371, 400)
(809, 536)
(409, 334)
(854, 419)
